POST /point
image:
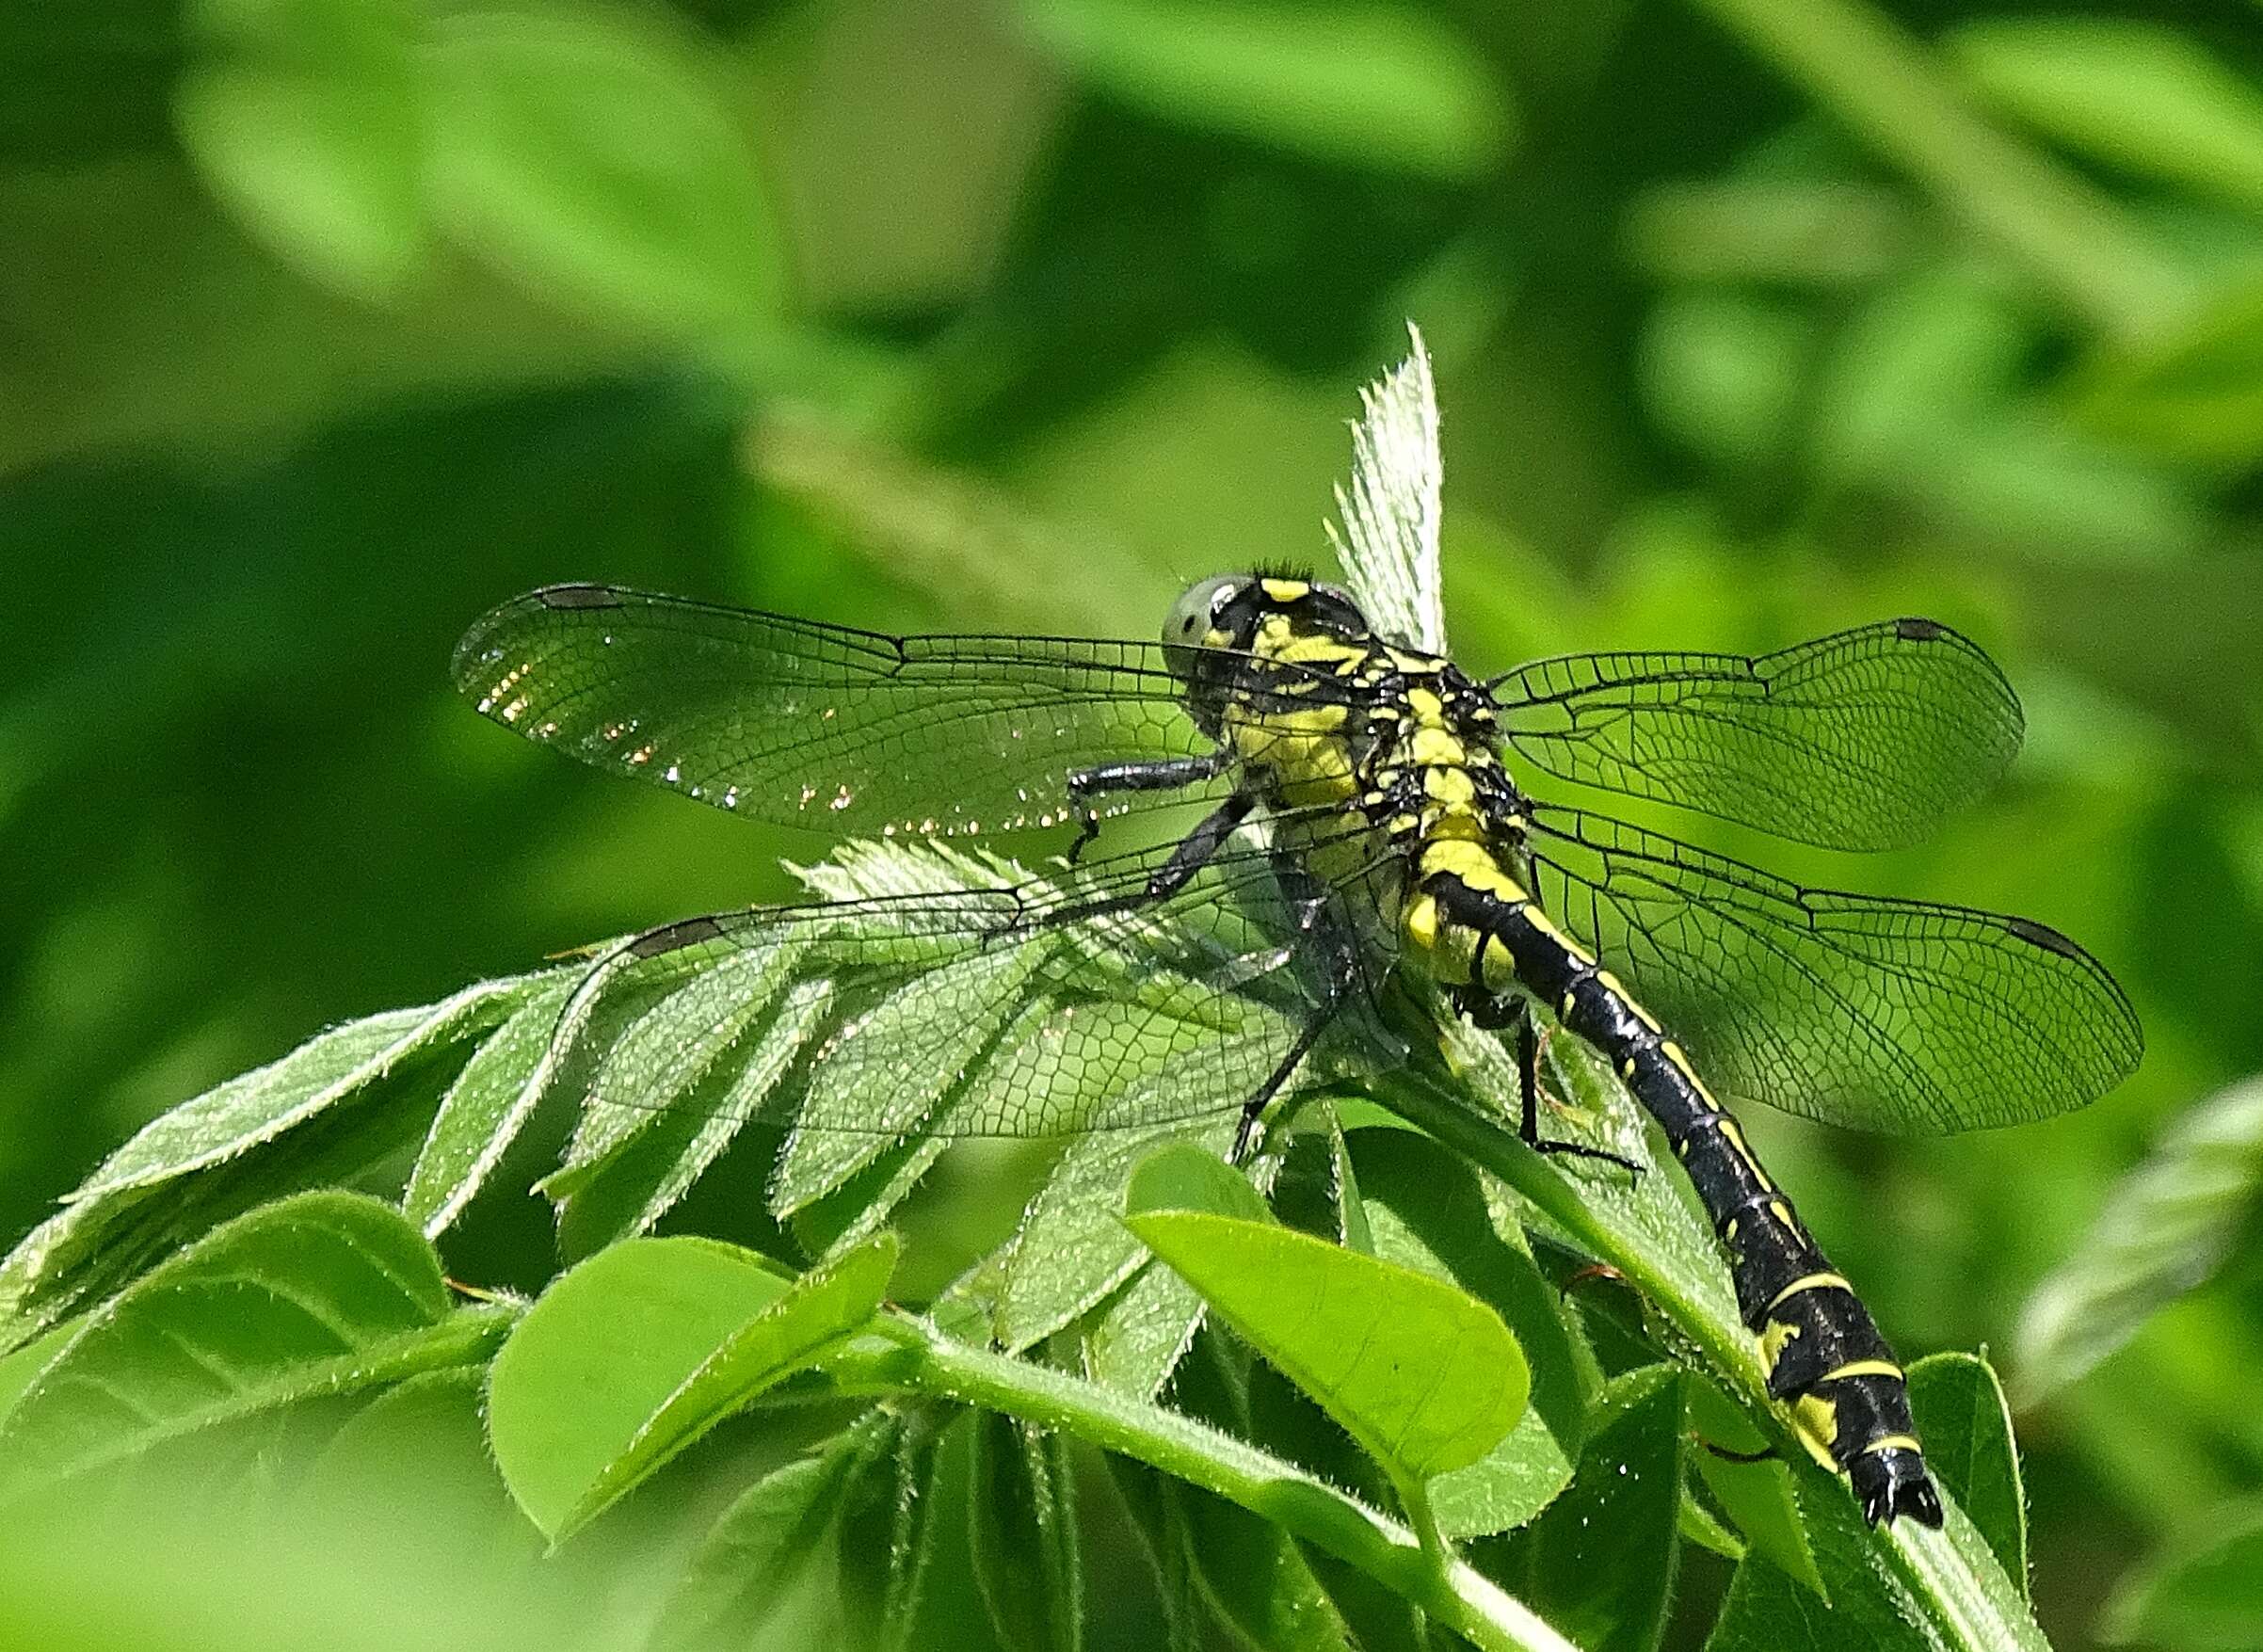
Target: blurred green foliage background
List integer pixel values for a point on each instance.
(326, 323)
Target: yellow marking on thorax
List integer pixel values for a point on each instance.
(1469, 860)
(1893, 1442)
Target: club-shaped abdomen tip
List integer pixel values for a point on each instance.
(1892, 1484)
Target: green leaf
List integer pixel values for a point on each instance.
(1966, 1427)
(324, 1113)
(1359, 85)
(1429, 1213)
(764, 1577)
(888, 1529)
(2139, 95)
(1136, 1339)
(18, 1370)
(1423, 1374)
(304, 118)
(631, 1357)
(2203, 1597)
(476, 1119)
(1074, 1249)
(2166, 1229)
(1023, 1515)
(592, 153)
(2192, 391)
(260, 1105)
(1756, 1495)
(321, 1295)
(1572, 1564)
(1388, 548)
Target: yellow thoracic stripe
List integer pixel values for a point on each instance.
(1806, 1282)
(1894, 1442)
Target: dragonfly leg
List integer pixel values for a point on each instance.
(1340, 970)
(1165, 775)
(1531, 1041)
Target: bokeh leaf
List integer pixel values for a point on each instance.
(305, 118)
(1349, 82)
(1424, 1376)
(2204, 1597)
(321, 1295)
(592, 153)
(2134, 93)
(2164, 1230)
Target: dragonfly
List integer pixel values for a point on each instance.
(1356, 823)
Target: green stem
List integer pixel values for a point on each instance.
(1894, 96)
(1447, 1589)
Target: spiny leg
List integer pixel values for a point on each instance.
(1340, 969)
(1529, 1042)
(1163, 775)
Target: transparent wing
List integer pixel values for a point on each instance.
(1862, 740)
(843, 731)
(1895, 1016)
(949, 998)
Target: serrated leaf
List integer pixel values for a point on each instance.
(631, 1357)
(884, 1075)
(1074, 1249)
(1348, 83)
(2165, 1228)
(2204, 1597)
(321, 1295)
(461, 1147)
(592, 153)
(1388, 548)
(260, 1105)
(762, 1576)
(1023, 1513)
(1966, 1426)
(304, 118)
(1423, 1374)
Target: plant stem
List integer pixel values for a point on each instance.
(1908, 107)
(1447, 1589)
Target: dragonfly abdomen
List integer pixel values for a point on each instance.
(1477, 926)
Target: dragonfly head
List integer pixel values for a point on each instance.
(1231, 611)
(1216, 625)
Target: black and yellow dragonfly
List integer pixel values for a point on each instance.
(1360, 829)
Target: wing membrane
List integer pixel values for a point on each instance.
(846, 731)
(1860, 740)
(1898, 1016)
(964, 1001)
